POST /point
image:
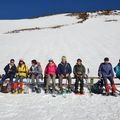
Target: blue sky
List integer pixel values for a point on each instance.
(18, 9)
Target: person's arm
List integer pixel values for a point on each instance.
(74, 70)
(84, 70)
(6, 68)
(99, 71)
(70, 69)
(14, 70)
(115, 69)
(45, 72)
(59, 69)
(112, 73)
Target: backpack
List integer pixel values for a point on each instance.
(6, 87)
(97, 88)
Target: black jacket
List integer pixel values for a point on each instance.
(10, 71)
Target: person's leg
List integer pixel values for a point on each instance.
(107, 87)
(11, 79)
(81, 85)
(4, 77)
(60, 82)
(53, 82)
(38, 84)
(15, 85)
(69, 82)
(33, 80)
(112, 84)
(48, 77)
(38, 81)
(76, 84)
(11, 82)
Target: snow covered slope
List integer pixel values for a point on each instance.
(91, 38)
(54, 36)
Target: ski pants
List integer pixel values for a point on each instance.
(35, 80)
(61, 81)
(4, 77)
(79, 79)
(47, 81)
(110, 79)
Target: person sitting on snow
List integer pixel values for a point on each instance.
(64, 71)
(79, 73)
(50, 74)
(117, 70)
(105, 72)
(10, 71)
(35, 73)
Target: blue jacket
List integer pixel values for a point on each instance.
(105, 70)
(117, 70)
(10, 71)
(64, 69)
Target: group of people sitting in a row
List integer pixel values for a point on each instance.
(62, 71)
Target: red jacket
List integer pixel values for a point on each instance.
(51, 69)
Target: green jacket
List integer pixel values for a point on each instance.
(79, 70)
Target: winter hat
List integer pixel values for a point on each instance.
(50, 60)
(106, 59)
(34, 61)
(12, 60)
(79, 60)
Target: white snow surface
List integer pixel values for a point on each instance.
(91, 41)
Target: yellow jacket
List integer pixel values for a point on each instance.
(22, 71)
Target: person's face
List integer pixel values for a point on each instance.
(106, 61)
(21, 62)
(33, 64)
(78, 62)
(50, 62)
(63, 60)
(12, 63)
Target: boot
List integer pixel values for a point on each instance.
(107, 89)
(113, 88)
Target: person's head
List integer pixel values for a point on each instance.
(12, 61)
(21, 62)
(50, 61)
(33, 62)
(79, 61)
(64, 59)
(106, 60)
